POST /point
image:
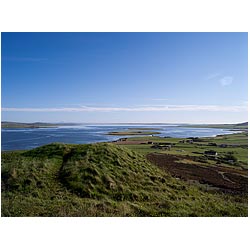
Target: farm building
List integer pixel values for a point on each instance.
(163, 147)
(211, 153)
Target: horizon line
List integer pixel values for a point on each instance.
(215, 108)
(173, 123)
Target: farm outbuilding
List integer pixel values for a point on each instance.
(211, 153)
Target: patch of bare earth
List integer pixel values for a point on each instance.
(225, 179)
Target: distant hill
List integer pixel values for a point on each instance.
(239, 126)
(6, 124)
(245, 124)
(25, 125)
(100, 180)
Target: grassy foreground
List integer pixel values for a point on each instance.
(101, 180)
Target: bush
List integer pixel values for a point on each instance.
(230, 157)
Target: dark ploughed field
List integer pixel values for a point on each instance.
(222, 178)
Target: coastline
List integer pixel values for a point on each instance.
(27, 138)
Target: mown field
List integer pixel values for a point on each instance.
(103, 179)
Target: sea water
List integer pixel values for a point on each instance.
(28, 138)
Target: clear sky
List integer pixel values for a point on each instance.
(124, 77)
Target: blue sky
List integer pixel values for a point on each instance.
(124, 77)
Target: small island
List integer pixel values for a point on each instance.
(133, 132)
(138, 129)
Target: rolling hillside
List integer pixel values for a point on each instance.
(101, 180)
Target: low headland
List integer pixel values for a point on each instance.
(6, 124)
(238, 126)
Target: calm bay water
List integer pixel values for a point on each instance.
(17, 139)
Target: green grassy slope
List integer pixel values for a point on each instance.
(101, 180)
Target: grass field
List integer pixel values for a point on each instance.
(187, 158)
(102, 180)
(236, 143)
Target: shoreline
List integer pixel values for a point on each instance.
(131, 136)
